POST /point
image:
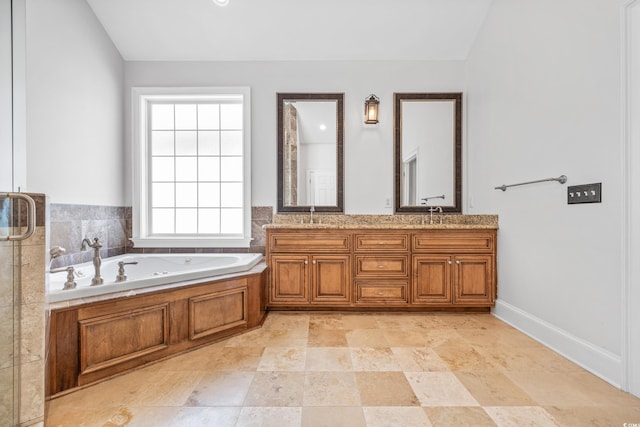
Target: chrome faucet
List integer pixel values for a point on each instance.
(70, 283)
(432, 210)
(311, 211)
(96, 245)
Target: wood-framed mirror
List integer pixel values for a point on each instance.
(428, 151)
(310, 152)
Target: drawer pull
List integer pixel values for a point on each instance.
(381, 243)
(380, 293)
(382, 266)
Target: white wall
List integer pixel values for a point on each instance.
(75, 149)
(368, 148)
(543, 99)
(6, 106)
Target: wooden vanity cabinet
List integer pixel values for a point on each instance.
(454, 268)
(381, 265)
(309, 269)
(360, 268)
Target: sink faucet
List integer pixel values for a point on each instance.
(311, 211)
(96, 245)
(432, 210)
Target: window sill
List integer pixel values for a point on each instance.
(177, 242)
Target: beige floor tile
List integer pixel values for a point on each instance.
(326, 321)
(518, 416)
(235, 359)
(330, 389)
(221, 388)
(595, 416)
(554, 388)
(359, 321)
(385, 389)
(373, 359)
(170, 417)
(269, 417)
(404, 338)
(366, 338)
(459, 416)
(276, 389)
(493, 389)
(170, 388)
(398, 416)
(445, 337)
(327, 338)
(283, 359)
(328, 359)
(440, 389)
(417, 359)
(287, 321)
(325, 416)
(465, 358)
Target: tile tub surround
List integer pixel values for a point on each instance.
(71, 223)
(23, 300)
(358, 369)
(449, 221)
(113, 225)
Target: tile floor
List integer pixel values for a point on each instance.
(328, 369)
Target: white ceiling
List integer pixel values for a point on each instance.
(199, 30)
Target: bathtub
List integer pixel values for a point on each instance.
(151, 270)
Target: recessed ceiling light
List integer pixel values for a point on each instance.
(323, 126)
(221, 2)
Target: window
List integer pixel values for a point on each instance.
(191, 167)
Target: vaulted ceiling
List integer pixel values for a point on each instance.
(252, 30)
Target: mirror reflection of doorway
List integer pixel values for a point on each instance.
(321, 187)
(410, 180)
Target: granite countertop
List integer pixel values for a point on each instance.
(404, 222)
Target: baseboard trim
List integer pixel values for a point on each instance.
(594, 359)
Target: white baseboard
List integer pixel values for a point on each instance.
(594, 359)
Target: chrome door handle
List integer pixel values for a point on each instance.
(31, 216)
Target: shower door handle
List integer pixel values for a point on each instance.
(31, 216)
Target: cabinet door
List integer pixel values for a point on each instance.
(431, 279)
(473, 279)
(331, 279)
(289, 279)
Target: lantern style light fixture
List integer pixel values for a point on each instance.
(371, 109)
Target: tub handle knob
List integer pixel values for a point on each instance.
(121, 277)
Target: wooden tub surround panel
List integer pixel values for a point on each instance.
(414, 268)
(92, 341)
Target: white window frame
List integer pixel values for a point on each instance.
(141, 96)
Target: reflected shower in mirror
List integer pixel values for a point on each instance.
(428, 146)
(310, 146)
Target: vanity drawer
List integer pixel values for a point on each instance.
(382, 265)
(307, 242)
(381, 292)
(381, 242)
(454, 241)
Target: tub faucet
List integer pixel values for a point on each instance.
(70, 283)
(96, 245)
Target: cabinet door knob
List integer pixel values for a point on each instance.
(457, 261)
(449, 262)
(314, 261)
(306, 262)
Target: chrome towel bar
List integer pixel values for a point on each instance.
(31, 216)
(561, 179)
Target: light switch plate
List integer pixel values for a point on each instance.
(585, 193)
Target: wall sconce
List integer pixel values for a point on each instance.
(371, 110)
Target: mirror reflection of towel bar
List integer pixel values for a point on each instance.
(561, 179)
(31, 216)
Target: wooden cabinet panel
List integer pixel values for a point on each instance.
(382, 265)
(217, 311)
(108, 340)
(380, 292)
(473, 276)
(331, 279)
(310, 242)
(431, 279)
(379, 242)
(439, 241)
(289, 279)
